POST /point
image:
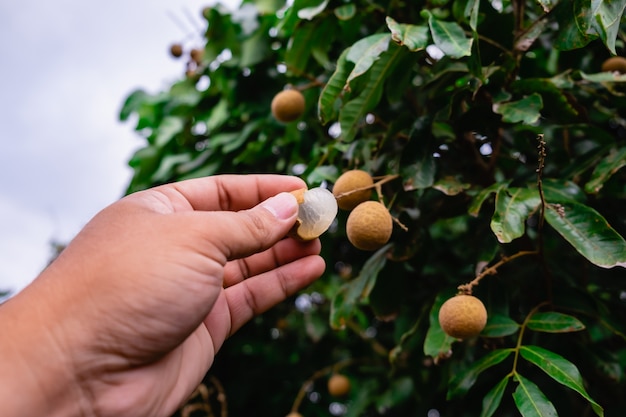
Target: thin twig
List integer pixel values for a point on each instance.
(467, 288)
(316, 375)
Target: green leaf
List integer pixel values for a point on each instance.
(473, 6)
(420, 173)
(499, 325)
(559, 369)
(437, 343)
(298, 53)
(605, 169)
(166, 168)
(413, 37)
(554, 322)
(327, 108)
(345, 12)
(570, 36)
(169, 127)
(589, 233)
(365, 52)
(606, 20)
(450, 186)
(217, 115)
(309, 13)
(461, 383)
(604, 77)
(346, 299)
(513, 206)
(562, 191)
(353, 112)
(132, 103)
(530, 401)
(491, 400)
(555, 101)
(526, 110)
(449, 37)
(479, 199)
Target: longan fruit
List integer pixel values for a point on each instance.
(294, 414)
(369, 226)
(338, 385)
(317, 208)
(288, 105)
(349, 181)
(196, 55)
(615, 64)
(176, 50)
(463, 316)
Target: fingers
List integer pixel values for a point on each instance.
(256, 295)
(232, 235)
(285, 251)
(228, 192)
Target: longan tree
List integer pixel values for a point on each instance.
(491, 136)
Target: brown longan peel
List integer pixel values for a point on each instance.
(352, 188)
(369, 226)
(288, 105)
(463, 316)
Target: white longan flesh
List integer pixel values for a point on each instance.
(316, 213)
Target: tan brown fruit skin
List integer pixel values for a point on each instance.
(196, 55)
(288, 105)
(463, 316)
(369, 226)
(352, 180)
(294, 414)
(339, 385)
(176, 50)
(615, 64)
(293, 233)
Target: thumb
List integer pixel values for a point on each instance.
(243, 233)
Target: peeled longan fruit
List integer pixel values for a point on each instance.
(338, 385)
(288, 105)
(463, 316)
(349, 181)
(615, 64)
(369, 226)
(316, 212)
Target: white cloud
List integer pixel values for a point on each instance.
(67, 67)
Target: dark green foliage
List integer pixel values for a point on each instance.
(509, 151)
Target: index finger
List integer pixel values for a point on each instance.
(230, 192)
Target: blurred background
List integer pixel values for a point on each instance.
(66, 68)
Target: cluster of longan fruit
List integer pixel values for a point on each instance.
(196, 56)
(369, 223)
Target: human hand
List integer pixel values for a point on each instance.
(133, 311)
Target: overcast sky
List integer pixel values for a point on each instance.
(66, 68)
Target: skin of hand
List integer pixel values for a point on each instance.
(127, 320)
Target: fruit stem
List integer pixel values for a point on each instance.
(316, 375)
(376, 346)
(492, 270)
(520, 336)
(376, 185)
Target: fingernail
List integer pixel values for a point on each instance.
(282, 206)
